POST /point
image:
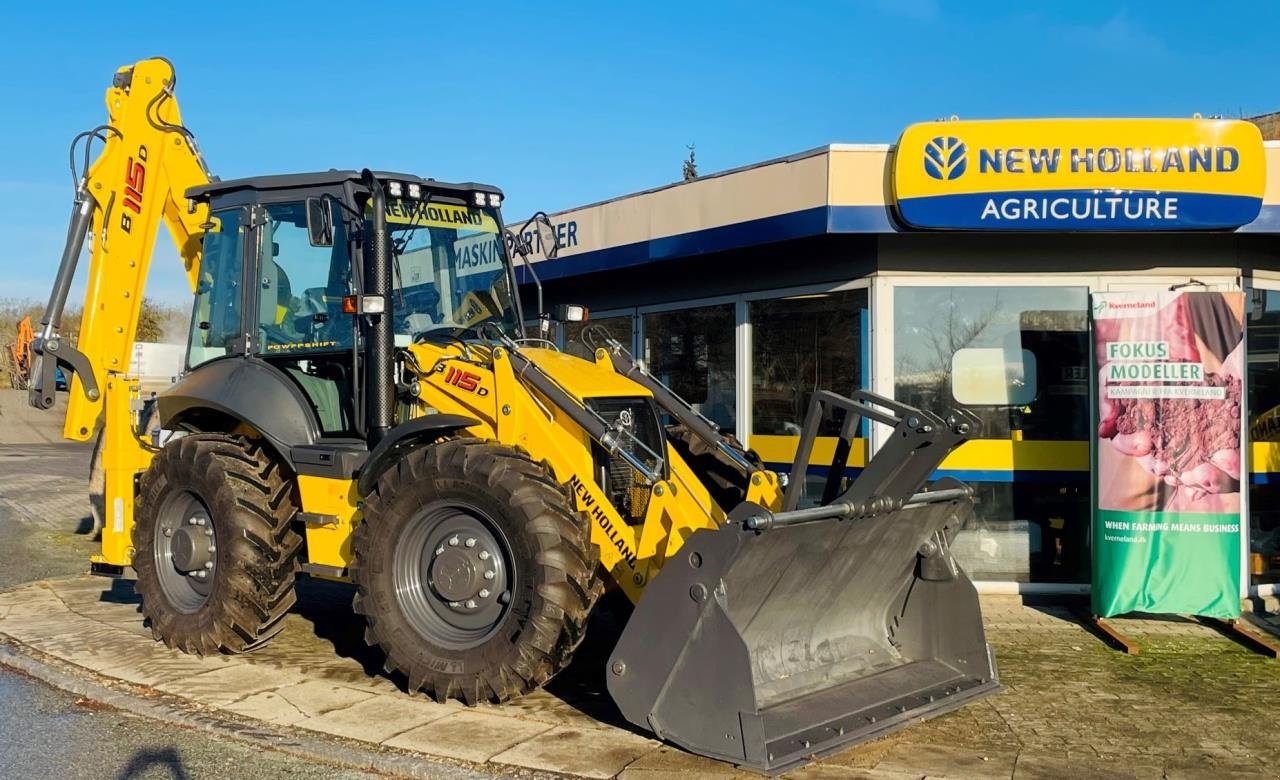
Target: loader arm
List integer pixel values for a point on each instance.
(147, 162)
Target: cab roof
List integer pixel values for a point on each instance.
(330, 178)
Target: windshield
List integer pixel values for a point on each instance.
(449, 274)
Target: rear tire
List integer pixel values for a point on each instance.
(473, 571)
(241, 539)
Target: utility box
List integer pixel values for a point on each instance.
(156, 365)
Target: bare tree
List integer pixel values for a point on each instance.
(690, 168)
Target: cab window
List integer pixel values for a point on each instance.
(217, 327)
(300, 287)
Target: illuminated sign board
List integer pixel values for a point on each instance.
(1080, 174)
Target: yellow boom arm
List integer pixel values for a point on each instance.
(148, 160)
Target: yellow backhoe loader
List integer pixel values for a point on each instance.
(361, 402)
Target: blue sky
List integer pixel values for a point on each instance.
(564, 103)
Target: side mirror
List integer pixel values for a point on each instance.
(547, 236)
(319, 222)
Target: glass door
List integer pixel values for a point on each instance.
(1262, 368)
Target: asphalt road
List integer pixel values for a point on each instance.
(46, 733)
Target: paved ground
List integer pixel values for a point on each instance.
(20, 424)
(1193, 704)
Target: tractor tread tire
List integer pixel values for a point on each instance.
(562, 566)
(252, 502)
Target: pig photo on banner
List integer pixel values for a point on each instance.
(1167, 485)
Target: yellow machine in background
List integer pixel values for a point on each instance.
(361, 402)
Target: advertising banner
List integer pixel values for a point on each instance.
(1080, 174)
(1167, 478)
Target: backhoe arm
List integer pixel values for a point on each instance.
(148, 160)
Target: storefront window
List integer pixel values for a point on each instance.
(1263, 325)
(619, 328)
(1038, 335)
(800, 344)
(692, 352)
(1018, 357)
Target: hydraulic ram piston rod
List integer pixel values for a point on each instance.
(845, 510)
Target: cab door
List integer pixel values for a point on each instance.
(300, 326)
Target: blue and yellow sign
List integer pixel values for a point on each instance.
(1080, 174)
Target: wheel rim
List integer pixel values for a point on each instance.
(452, 573)
(185, 553)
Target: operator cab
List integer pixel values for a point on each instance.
(285, 279)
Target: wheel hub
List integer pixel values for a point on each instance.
(452, 575)
(185, 552)
(191, 548)
(463, 573)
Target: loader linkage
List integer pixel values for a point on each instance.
(786, 635)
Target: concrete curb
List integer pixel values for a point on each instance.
(148, 703)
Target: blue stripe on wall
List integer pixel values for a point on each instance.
(1268, 221)
(818, 221)
(970, 475)
(783, 227)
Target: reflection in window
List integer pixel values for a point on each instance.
(301, 286)
(619, 328)
(1023, 358)
(933, 324)
(1035, 531)
(1264, 428)
(800, 344)
(216, 326)
(691, 351)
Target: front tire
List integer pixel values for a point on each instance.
(473, 571)
(215, 554)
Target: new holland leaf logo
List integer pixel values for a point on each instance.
(945, 158)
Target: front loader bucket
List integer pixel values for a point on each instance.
(780, 637)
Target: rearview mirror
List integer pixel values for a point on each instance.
(319, 222)
(547, 236)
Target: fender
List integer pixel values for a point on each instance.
(403, 439)
(251, 391)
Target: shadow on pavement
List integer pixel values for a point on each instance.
(144, 760)
(326, 609)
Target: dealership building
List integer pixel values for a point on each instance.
(916, 269)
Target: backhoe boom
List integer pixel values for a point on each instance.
(148, 161)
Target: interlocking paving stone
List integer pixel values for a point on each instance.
(469, 735)
(591, 752)
(670, 762)
(940, 761)
(379, 718)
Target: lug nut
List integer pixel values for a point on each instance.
(488, 575)
(191, 521)
(484, 593)
(440, 549)
(453, 541)
(208, 566)
(471, 542)
(168, 532)
(454, 604)
(471, 603)
(484, 555)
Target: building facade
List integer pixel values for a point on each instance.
(893, 268)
